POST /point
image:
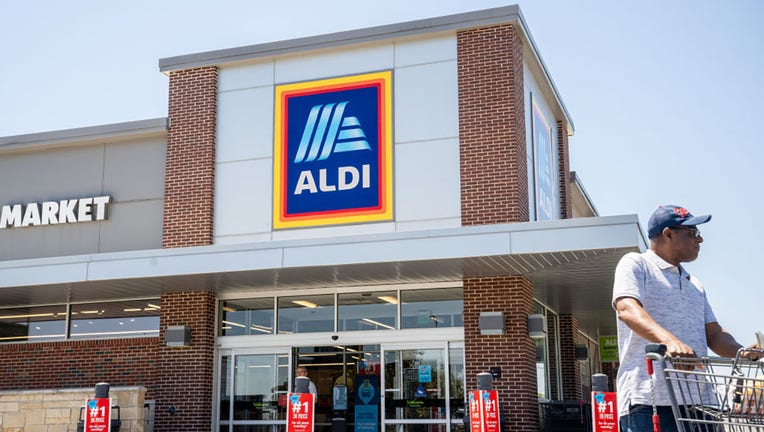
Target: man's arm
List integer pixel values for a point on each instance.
(631, 312)
(720, 341)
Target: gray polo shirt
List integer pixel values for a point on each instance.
(676, 301)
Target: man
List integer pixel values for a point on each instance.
(656, 300)
(302, 371)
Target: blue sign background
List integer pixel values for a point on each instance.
(363, 103)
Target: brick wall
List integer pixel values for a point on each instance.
(514, 352)
(566, 205)
(571, 377)
(69, 364)
(494, 175)
(185, 374)
(611, 370)
(190, 167)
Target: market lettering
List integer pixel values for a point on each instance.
(54, 212)
(348, 177)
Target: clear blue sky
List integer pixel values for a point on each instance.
(666, 97)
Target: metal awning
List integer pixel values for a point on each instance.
(570, 262)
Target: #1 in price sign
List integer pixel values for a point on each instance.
(484, 411)
(98, 415)
(300, 412)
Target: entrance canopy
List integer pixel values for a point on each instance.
(570, 263)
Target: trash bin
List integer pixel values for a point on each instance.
(566, 416)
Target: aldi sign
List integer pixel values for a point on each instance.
(333, 151)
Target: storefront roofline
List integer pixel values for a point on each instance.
(500, 15)
(567, 260)
(78, 136)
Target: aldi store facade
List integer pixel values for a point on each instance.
(391, 208)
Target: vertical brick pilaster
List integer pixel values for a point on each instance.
(185, 374)
(611, 370)
(566, 205)
(514, 351)
(190, 167)
(494, 172)
(571, 377)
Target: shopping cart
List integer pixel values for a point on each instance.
(710, 393)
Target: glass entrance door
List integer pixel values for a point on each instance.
(423, 388)
(252, 392)
(347, 384)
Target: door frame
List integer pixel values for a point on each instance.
(233, 353)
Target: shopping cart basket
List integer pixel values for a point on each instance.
(713, 394)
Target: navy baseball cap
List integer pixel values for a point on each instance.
(668, 216)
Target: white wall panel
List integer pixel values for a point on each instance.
(329, 64)
(421, 51)
(245, 124)
(427, 183)
(243, 193)
(426, 102)
(245, 76)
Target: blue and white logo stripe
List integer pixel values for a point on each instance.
(328, 131)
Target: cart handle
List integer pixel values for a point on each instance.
(654, 351)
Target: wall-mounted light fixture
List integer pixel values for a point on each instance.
(536, 326)
(582, 352)
(491, 323)
(178, 336)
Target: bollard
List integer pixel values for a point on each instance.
(484, 381)
(102, 390)
(301, 385)
(599, 382)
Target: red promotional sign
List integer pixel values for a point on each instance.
(98, 415)
(484, 411)
(604, 412)
(300, 412)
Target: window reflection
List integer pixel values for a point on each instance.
(431, 308)
(246, 317)
(115, 320)
(306, 314)
(44, 323)
(367, 311)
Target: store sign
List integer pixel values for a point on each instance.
(604, 412)
(608, 348)
(543, 166)
(54, 212)
(484, 411)
(333, 151)
(300, 412)
(98, 415)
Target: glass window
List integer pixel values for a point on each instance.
(368, 311)
(135, 318)
(440, 307)
(456, 382)
(246, 317)
(416, 381)
(257, 386)
(306, 314)
(33, 324)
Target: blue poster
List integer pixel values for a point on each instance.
(425, 373)
(367, 403)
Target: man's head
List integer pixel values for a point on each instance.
(674, 235)
(302, 371)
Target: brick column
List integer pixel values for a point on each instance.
(571, 377)
(190, 168)
(185, 374)
(494, 172)
(611, 370)
(514, 352)
(566, 205)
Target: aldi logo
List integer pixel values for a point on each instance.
(333, 151)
